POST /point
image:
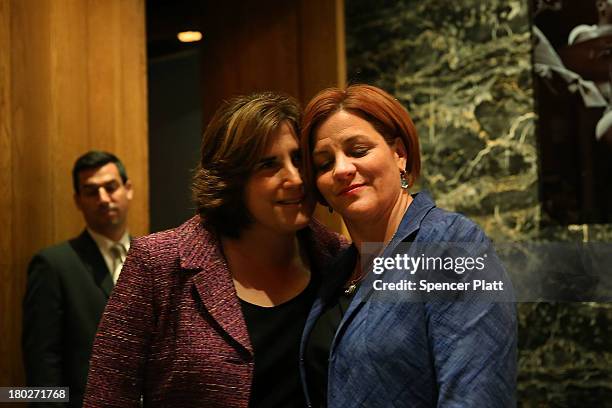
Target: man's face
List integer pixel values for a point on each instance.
(104, 200)
(604, 7)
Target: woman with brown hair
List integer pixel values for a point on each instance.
(210, 313)
(373, 338)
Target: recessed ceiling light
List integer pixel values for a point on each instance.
(189, 36)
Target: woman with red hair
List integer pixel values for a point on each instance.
(363, 347)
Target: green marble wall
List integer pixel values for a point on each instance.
(463, 70)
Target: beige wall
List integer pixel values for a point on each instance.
(72, 78)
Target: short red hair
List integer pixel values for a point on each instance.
(370, 103)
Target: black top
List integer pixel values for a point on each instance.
(336, 301)
(275, 334)
(320, 339)
(318, 347)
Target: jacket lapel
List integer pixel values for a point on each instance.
(410, 224)
(332, 282)
(90, 256)
(336, 273)
(199, 249)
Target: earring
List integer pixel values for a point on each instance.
(403, 180)
(331, 210)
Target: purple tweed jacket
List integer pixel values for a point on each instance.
(173, 330)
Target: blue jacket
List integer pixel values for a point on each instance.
(429, 353)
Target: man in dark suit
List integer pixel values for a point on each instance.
(69, 283)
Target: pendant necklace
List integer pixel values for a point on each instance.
(353, 284)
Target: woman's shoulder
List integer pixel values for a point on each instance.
(324, 245)
(443, 225)
(329, 240)
(172, 243)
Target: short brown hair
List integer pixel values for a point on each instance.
(372, 104)
(92, 160)
(232, 144)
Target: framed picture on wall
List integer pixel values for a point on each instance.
(572, 67)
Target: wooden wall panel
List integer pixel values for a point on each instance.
(256, 52)
(68, 132)
(72, 78)
(116, 71)
(133, 127)
(322, 46)
(105, 117)
(7, 291)
(32, 109)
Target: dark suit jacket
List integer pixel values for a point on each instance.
(67, 289)
(173, 330)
